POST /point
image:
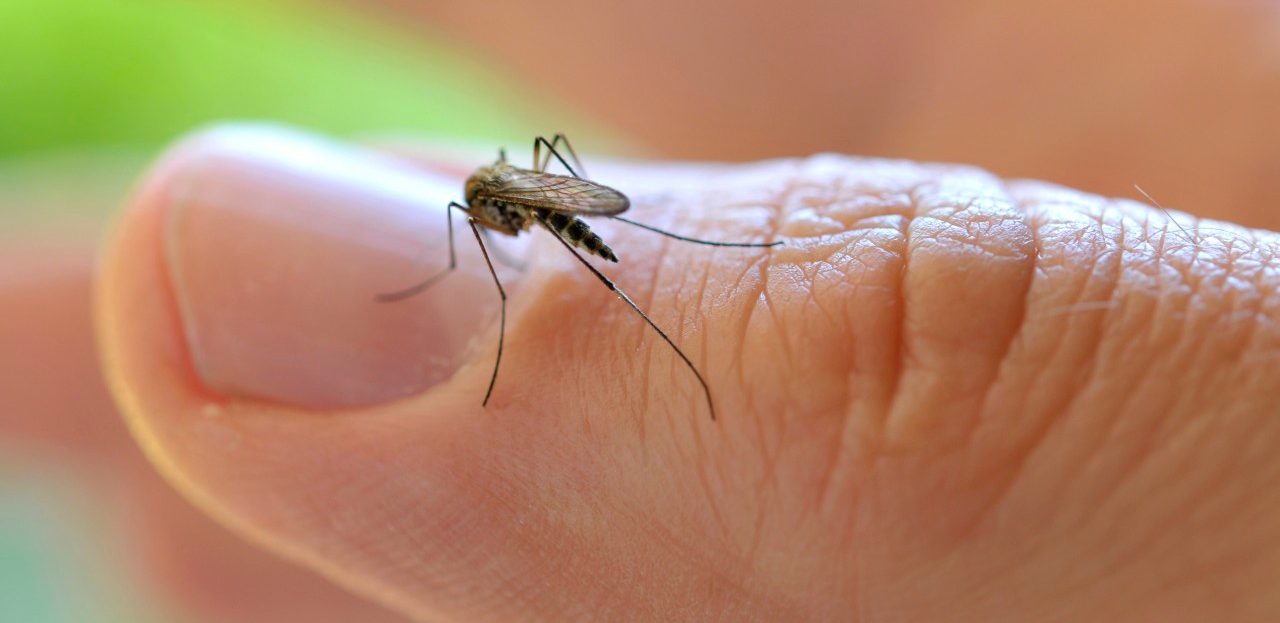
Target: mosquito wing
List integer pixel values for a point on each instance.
(558, 193)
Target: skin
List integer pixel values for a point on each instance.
(949, 396)
(1150, 131)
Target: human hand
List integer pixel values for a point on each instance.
(947, 397)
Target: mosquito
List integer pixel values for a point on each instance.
(508, 200)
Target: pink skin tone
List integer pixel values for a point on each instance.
(1191, 118)
(948, 396)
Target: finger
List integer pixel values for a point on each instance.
(891, 383)
(49, 379)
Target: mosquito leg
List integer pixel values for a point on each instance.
(501, 254)
(696, 240)
(623, 295)
(399, 295)
(540, 163)
(577, 162)
(502, 326)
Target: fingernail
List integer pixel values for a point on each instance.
(277, 244)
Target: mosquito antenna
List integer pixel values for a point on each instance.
(623, 295)
(1166, 213)
(710, 243)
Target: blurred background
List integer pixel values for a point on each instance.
(1180, 96)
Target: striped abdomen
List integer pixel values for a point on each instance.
(576, 232)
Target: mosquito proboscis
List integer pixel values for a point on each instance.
(508, 200)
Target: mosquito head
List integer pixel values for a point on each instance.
(502, 154)
(474, 183)
(482, 178)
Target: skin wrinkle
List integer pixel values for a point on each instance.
(1089, 284)
(753, 299)
(1122, 241)
(676, 330)
(1091, 305)
(841, 442)
(769, 473)
(1035, 438)
(821, 268)
(1186, 275)
(1090, 373)
(950, 227)
(701, 460)
(649, 359)
(767, 453)
(1019, 320)
(759, 426)
(651, 349)
(1226, 266)
(1173, 514)
(1038, 435)
(1001, 373)
(911, 228)
(1135, 385)
(1197, 322)
(903, 355)
(825, 203)
(1259, 284)
(1174, 347)
(847, 433)
(874, 447)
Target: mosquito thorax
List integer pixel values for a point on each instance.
(484, 177)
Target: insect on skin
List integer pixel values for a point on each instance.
(508, 199)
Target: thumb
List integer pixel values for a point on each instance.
(240, 332)
(944, 381)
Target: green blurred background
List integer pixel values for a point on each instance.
(90, 91)
(98, 86)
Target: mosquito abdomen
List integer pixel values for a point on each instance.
(577, 232)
